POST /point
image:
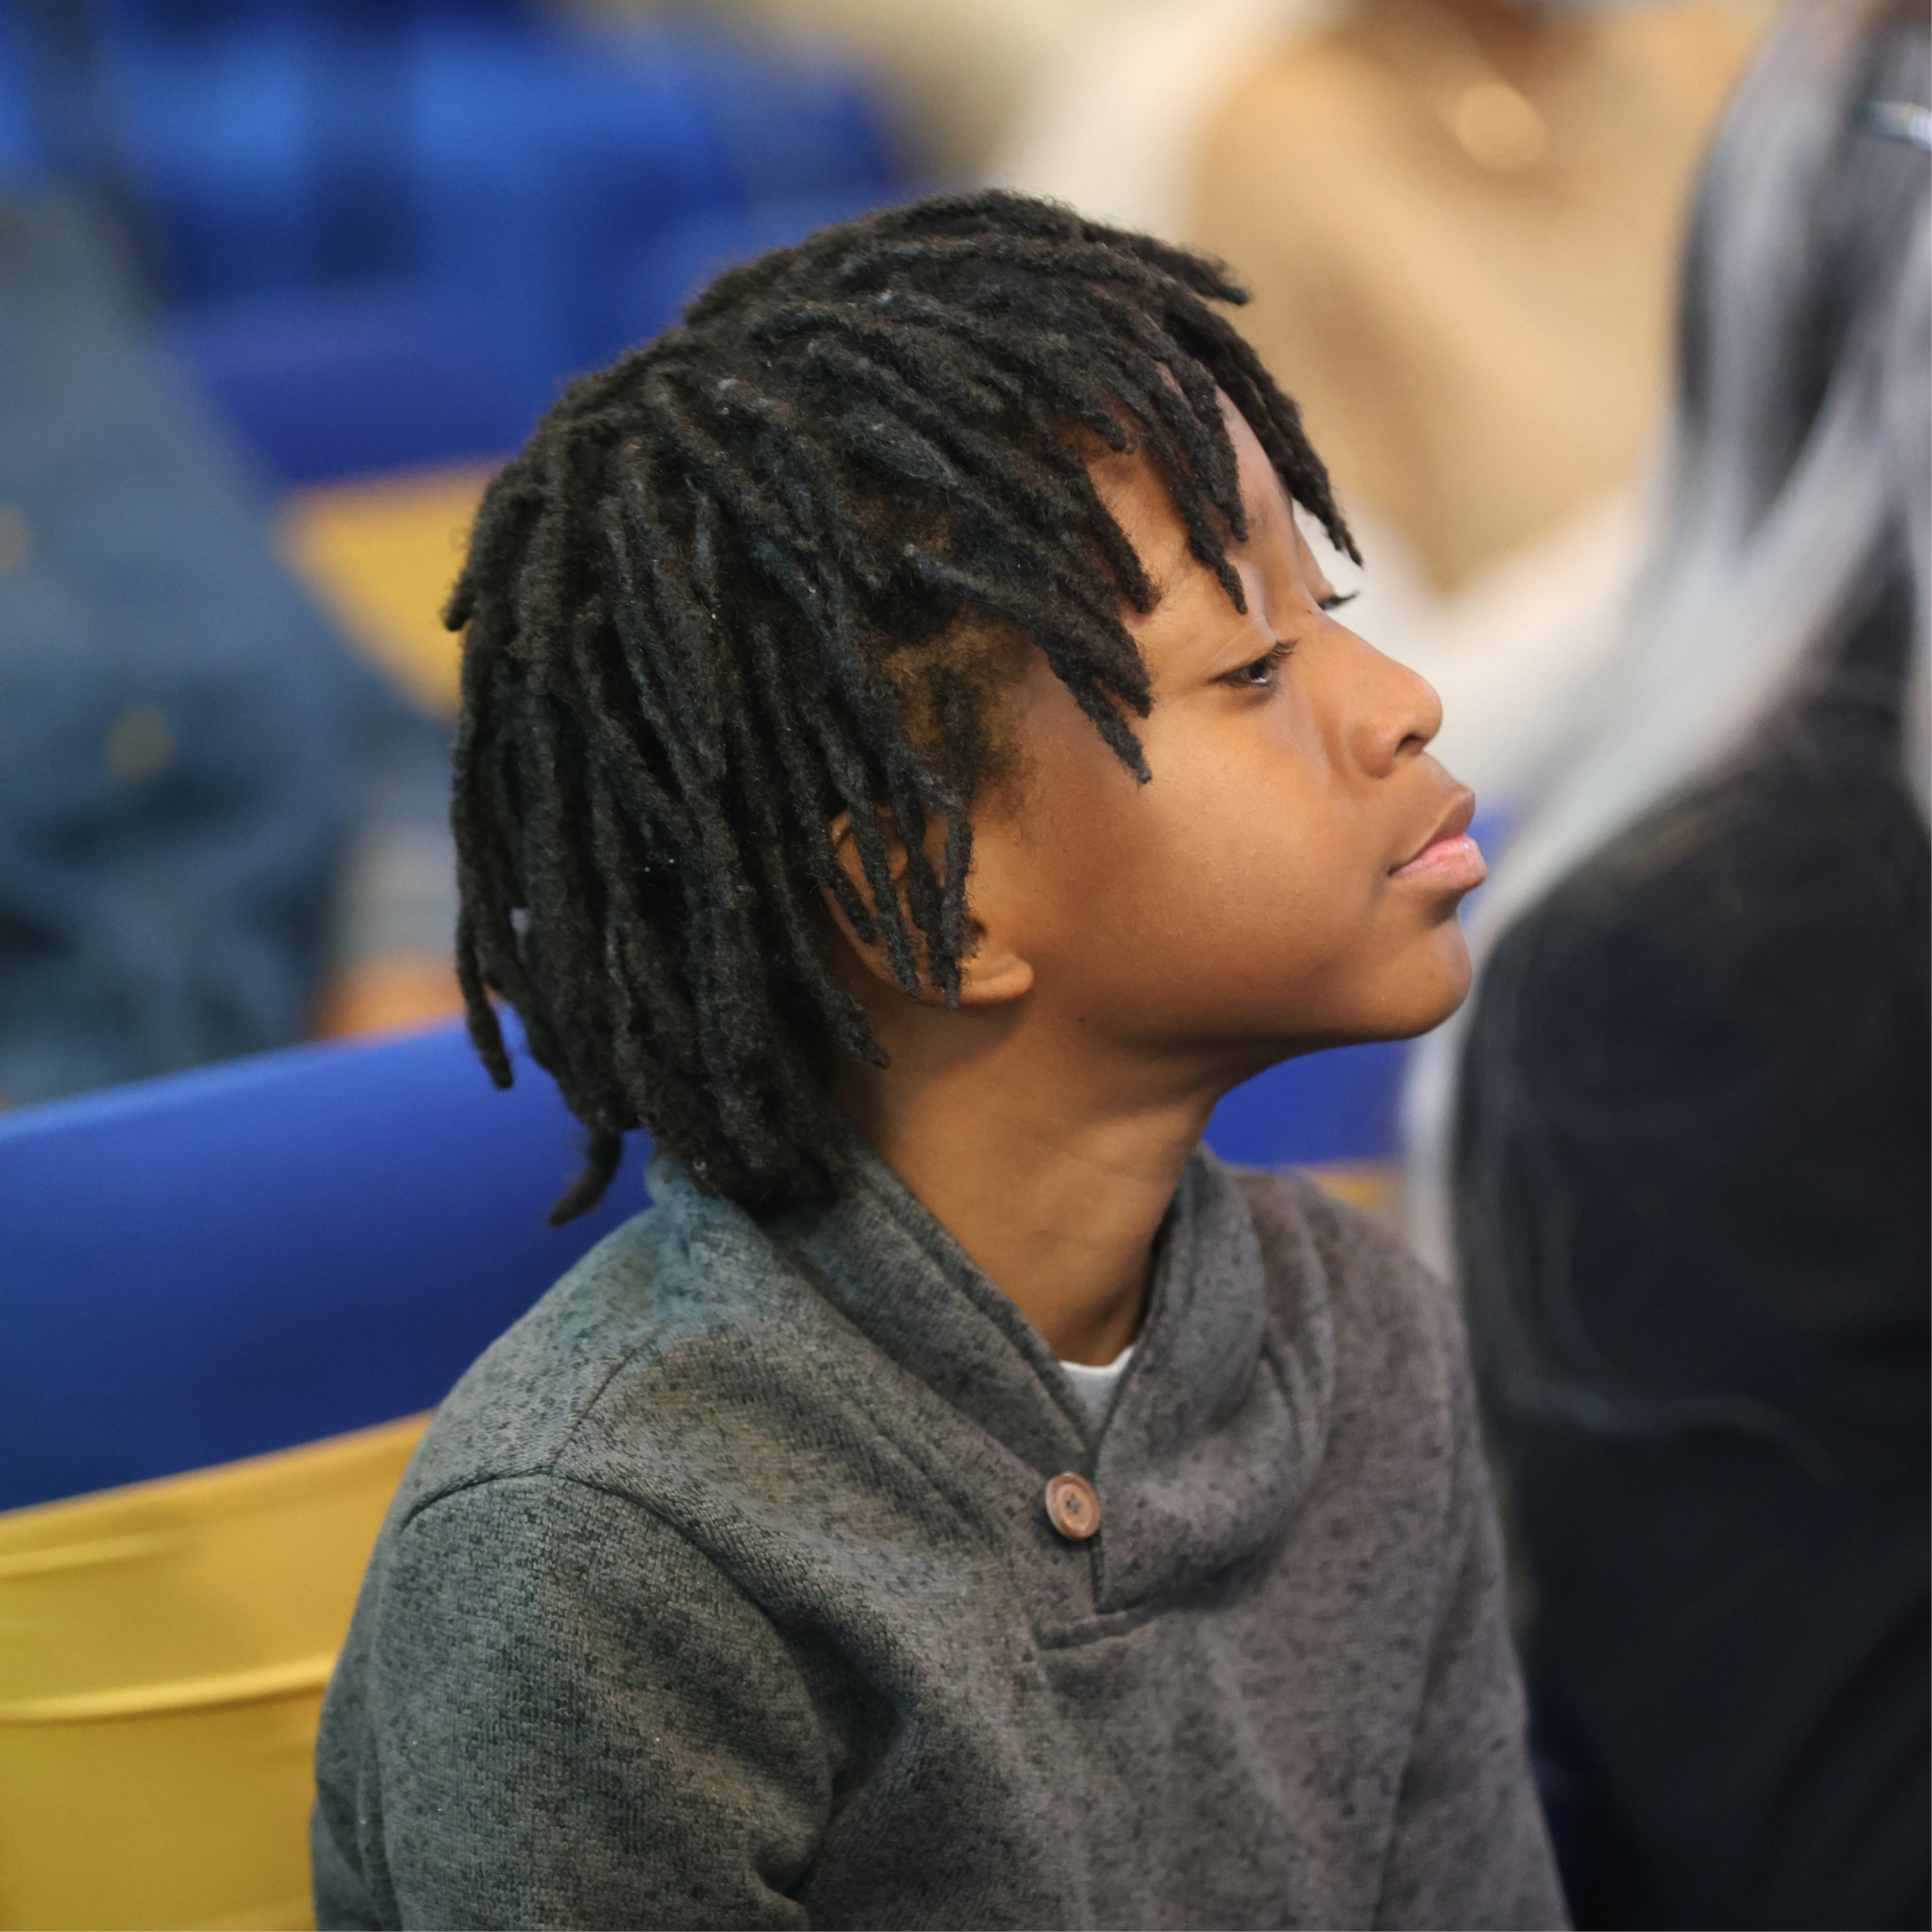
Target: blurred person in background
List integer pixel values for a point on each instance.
(1690, 1156)
(374, 240)
(1460, 220)
(219, 829)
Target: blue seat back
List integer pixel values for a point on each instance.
(1340, 1106)
(224, 1262)
(378, 377)
(390, 232)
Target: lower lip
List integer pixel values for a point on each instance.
(1456, 863)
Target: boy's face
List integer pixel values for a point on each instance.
(1289, 878)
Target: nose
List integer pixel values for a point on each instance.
(1396, 712)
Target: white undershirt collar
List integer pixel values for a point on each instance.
(1095, 1386)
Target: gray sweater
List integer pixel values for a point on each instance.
(722, 1591)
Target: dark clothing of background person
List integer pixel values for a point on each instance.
(1692, 1183)
(190, 758)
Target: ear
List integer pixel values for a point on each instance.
(990, 975)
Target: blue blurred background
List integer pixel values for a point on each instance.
(381, 233)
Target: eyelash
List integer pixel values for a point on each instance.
(1260, 676)
(1268, 667)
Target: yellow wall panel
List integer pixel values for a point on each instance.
(382, 552)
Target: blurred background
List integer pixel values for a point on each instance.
(283, 278)
(280, 282)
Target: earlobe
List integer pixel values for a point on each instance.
(993, 976)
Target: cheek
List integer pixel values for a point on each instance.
(1221, 874)
(1240, 896)
(1268, 890)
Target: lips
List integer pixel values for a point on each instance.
(1448, 857)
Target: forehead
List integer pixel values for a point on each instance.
(1134, 488)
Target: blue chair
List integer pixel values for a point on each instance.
(635, 131)
(665, 272)
(342, 383)
(1337, 1108)
(222, 1263)
(454, 189)
(237, 1259)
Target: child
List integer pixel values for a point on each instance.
(907, 763)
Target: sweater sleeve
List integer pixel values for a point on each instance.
(1470, 1847)
(568, 1716)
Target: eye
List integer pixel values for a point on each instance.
(1264, 672)
(1336, 599)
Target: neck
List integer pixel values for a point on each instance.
(1052, 1172)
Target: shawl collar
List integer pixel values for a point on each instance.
(1222, 1417)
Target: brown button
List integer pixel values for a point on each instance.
(1071, 1507)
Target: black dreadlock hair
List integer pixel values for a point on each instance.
(718, 600)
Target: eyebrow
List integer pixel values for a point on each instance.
(1259, 504)
(1261, 509)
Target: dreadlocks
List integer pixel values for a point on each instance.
(716, 600)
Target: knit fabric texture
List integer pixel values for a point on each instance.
(722, 1591)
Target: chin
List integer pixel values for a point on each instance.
(1429, 993)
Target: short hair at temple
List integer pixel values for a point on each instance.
(742, 582)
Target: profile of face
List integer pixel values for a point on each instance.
(1287, 879)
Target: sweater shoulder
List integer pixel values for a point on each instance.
(664, 1314)
(1397, 1333)
(1362, 1259)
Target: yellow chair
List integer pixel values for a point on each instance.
(163, 1649)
